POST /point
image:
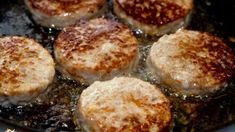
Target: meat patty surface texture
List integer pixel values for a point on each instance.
(192, 62)
(61, 13)
(98, 49)
(154, 17)
(124, 104)
(26, 69)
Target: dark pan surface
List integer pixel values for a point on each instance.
(53, 111)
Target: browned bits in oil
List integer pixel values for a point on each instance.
(157, 12)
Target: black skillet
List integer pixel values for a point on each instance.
(54, 110)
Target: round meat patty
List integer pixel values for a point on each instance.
(61, 13)
(154, 17)
(94, 50)
(191, 62)
(124, 104)
(26, 69)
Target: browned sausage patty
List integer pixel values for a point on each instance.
(192, 62)
(124, 104)
(154, 17)
(26, 69)
(98, 49)
(61, 13)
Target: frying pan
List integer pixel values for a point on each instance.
(53, 110)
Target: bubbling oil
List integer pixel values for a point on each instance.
(54, 109)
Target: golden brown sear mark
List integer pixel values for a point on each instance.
(87, 37)
(97, 49)
(58, 7)
(157, 12)
(217, 59)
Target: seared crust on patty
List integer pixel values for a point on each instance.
(192, 62)
(26, 68)
(96, 50)
(60, 13)
(154, 16)
(124, 104)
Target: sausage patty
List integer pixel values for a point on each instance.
(154, 17)
(61, 13)
(124, 104)
(26, 69)
(98, 49)
(192, 62)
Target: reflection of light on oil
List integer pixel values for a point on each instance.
(176, 95)
(232, 39)
(208, 3)
(184, 97)
(16, 22)
(65, 14)
(50, 30)
(138, 32)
